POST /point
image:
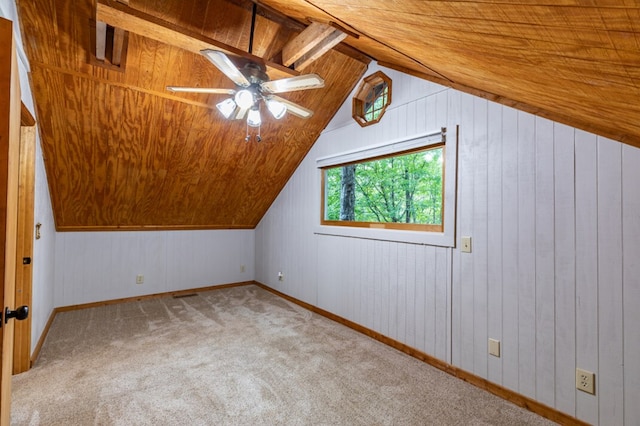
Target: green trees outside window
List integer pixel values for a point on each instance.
(374, 108)
(395, 190)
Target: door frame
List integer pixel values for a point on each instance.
(24, 271)
(9, 157)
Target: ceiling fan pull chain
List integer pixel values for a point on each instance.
(247, 138)
(258, 137)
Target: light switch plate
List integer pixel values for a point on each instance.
(466, 245)
(494, 347)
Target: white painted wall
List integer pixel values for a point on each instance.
(43, 249)
(554, 214)
(42, 302)
(98, 266)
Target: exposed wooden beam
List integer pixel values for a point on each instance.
(118, 46)
(118, 41)
(334, 38)
(270, 14)
(101, 40)
(120, 16)
(293, 25)
(310, 44)
(311, 36)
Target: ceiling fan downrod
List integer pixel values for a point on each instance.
(253, 26)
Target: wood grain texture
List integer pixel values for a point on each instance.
(24, 248)
(26, 119)
(304, 42)
(129, 19)
(569, 61)
(123, 153)
(10, 111)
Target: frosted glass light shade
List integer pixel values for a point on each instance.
(226, 107)
(254, 119)
(277, 109)
(244, 98)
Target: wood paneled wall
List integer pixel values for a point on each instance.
(42, 302)
(99, 266)
(43, 249)
(554, 214)
(544, 204)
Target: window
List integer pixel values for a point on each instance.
(399, 191)
(372, 98)
(429, 144)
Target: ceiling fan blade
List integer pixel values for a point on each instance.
(224, 64)
(293, 107)
(300, 82)
(201, 90)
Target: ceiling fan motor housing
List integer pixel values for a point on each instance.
(254, 73)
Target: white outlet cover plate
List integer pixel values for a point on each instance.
(465, 245)
(494, 347)
(585, 381)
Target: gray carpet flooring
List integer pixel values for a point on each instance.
(236, 356)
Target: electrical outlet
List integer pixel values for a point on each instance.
(242, 268)
(280, 276)
(465, 245)
(585, 381)
(139, 279)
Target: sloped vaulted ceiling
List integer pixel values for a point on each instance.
(123, 153)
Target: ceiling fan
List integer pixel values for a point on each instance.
(253, 86)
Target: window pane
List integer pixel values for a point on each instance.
(376, 101)
(405, 188)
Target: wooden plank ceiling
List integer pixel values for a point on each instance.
(122, 152)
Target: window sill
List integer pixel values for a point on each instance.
(411, 237)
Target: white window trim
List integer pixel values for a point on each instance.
(421, 140)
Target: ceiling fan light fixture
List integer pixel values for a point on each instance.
(253, 86)
(277, 109)
(226, 107)
(254, 119)
(244, 98)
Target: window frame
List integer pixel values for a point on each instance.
(387, 225)
(446, 238)
(361, 94)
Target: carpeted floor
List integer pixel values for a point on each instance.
(236, 356)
